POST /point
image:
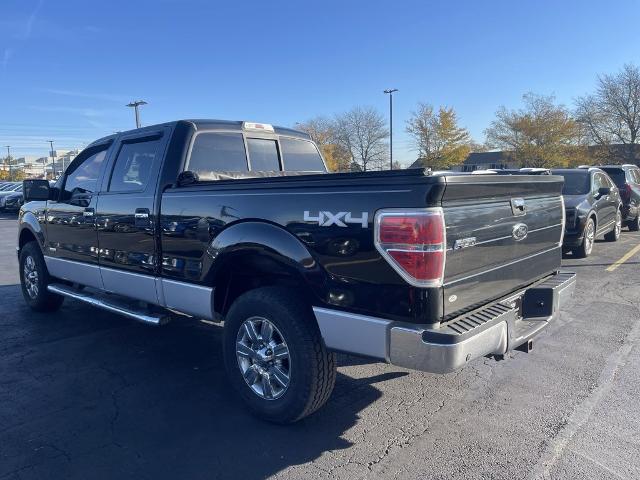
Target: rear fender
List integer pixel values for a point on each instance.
(258, 251)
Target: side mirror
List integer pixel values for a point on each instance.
(35, 190)
(602, 191)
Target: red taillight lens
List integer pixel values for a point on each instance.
(413, 242)
(625, 192)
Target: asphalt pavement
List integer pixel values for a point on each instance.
(86, 394)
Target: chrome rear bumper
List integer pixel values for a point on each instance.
(493, 329)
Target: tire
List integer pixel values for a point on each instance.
(34, 279)
(634, 225)
(585, 248)
(614, 234)
(284, 389)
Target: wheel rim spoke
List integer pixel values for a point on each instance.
(280, 352)
(251, 375)
(244, 350)
(279, 376)
(266, 332)
(266, 386)
(250, 329)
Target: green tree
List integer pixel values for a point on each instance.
(541, 134)
(440, 141)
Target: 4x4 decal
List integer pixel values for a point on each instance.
(340, 219)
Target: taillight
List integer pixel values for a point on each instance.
(625, 192)
(414, 244)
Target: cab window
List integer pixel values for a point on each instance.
(263, 155)
(300, 156)
(82, 181)
(134, 164)
(217, 152)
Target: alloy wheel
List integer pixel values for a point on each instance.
(589, 236)
(263, 358)
(30, 274)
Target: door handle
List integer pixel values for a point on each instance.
(89, 212)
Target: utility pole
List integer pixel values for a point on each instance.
(135, 104)
(390, 92)
(53, 160)
(9, 161)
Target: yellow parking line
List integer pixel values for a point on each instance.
(624, 258)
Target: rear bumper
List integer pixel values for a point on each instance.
(493, 329)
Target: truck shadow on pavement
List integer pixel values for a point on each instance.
(84, 391)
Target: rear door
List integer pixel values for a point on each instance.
(502, 232)
(126, 220)
(71, 249)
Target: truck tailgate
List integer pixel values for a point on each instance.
(503, 232)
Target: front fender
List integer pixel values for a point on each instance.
(28, 222)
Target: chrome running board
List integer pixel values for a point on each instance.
(110, 305)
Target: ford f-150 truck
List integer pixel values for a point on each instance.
(239, 223)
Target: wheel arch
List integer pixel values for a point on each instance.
(254, 254)
(30, 230)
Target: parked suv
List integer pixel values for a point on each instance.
(627, 179)
(592, 208)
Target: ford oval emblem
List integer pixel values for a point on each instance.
(520, 231)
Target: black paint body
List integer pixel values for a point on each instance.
(236, 234)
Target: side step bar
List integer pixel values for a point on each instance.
(110, 305)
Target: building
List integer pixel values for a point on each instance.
(477, 161)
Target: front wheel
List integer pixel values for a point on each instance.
(275, 357)
(589, 237)
(614, 234)
(34, 278)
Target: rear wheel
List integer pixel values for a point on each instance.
(34, 278)
(275, 357)
(589, 237)
(614, 234)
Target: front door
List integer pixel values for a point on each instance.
(126, 219)
(71, 250)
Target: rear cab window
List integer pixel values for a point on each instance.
(300, 156)
(221, 155)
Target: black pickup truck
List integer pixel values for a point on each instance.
(239, 223)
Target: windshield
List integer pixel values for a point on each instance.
(575, 183)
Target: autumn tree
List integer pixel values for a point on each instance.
(437, 137)
(323, 132)
(541, 134)
(611, 115)
(362, 132)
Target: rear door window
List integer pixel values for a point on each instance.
(217, 152)
(263, 155)
(300, 156)
(134, 165)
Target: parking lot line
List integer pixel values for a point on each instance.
(624, 258)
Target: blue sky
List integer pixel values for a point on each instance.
(68, 67)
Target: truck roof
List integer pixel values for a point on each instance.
(209, 124)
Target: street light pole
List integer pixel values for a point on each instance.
(390, 92)
(9, 161)
(53, 160)
(135, 104)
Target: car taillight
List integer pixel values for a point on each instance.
(625, 192)
(414, 244)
